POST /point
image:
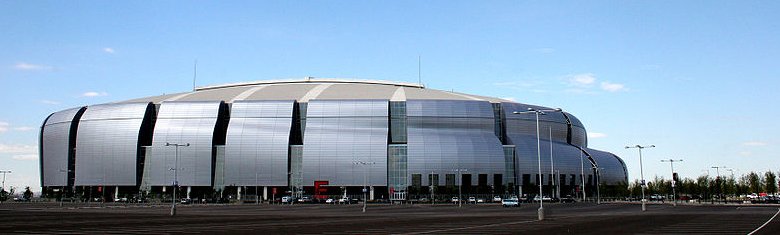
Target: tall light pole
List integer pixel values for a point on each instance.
(62, 188)
(598, 184)
(674, 194)
(540, 212)
(5, 172)
(641, 171)
(717, 180)
(582, 174)
(433, 193)
(460, 178)
(553, 187)
(175, 170)
(365, 179)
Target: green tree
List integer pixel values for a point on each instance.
(28, 194)
(3, 195)
(770, 182)
(754, 183)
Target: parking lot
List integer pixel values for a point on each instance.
(577, 218)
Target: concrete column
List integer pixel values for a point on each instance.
(371, 194)
(116, 192)
(189, 190)
(265, 192)
(239, 193)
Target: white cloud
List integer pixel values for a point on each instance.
(27, 66)
(108, 50)
(510, 99)
(745, 153)
(26, 157)
(18, 149)
(3, 127)
(612, 87)
(23, 128)
(49, 102)
(595, 135)
(93, 94)
(754, 143)
(582, 80)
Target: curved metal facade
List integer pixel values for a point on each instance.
(257, 144)
(311, 132)
(184, 123)
(107, 144)
(613, 170)
(445, 135)
(339, 133)
(56, 147)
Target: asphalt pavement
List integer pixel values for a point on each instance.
(577, 218)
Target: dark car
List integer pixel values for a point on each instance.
(568, 199)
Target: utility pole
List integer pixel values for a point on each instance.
(674, 194)
(175, 170)
(641, 171)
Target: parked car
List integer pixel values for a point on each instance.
(304, 199)
(455, 199)
(185, 201)
(510, 202)
(330, 201)
(544, 199)
(345, 200)
(472, 200)
(287, 199)
(496, 199)
(120, 199)
(480, 200)
(568, 199)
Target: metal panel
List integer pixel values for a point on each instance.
(444, 135)
(579, 136)
(107, 146)
(257, 143)
(525, 124)
(340, 132)
(613, 169)
(56, 147)
(184, 123)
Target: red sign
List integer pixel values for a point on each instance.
(100, 189)
(273, 190)
(392, 190)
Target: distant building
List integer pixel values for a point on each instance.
(322, 137)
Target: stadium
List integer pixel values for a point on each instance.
(322, 138)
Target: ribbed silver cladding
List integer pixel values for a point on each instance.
(444, 135)
(613, 169)
(521, 131)
(56, 137)
(184, 123)
(107, 146)
(257, 143)
(579, 137)
(340, 133)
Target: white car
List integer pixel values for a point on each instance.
(480, 200)
(330, 200)
(344, 200)
(472, 200)
(287, 199)
(510, 202)
(496, 199)
(455, 199)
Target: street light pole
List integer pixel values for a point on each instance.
(553, 187)
(460, 178)
(718, 180)
(365, 180)
(5, 172)
(641, 171)
(674, 194)
(540, 212)
(62, 188)
(175, 170)
(582, 174)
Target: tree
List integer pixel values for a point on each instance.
(754, 183)
(770, 180)
(28, 194)
(3, 195)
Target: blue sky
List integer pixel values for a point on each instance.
(696, 78)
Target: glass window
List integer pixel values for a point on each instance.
(450, 179)
(416, 180)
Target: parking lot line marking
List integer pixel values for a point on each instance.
(767, 222)
(470, 227)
